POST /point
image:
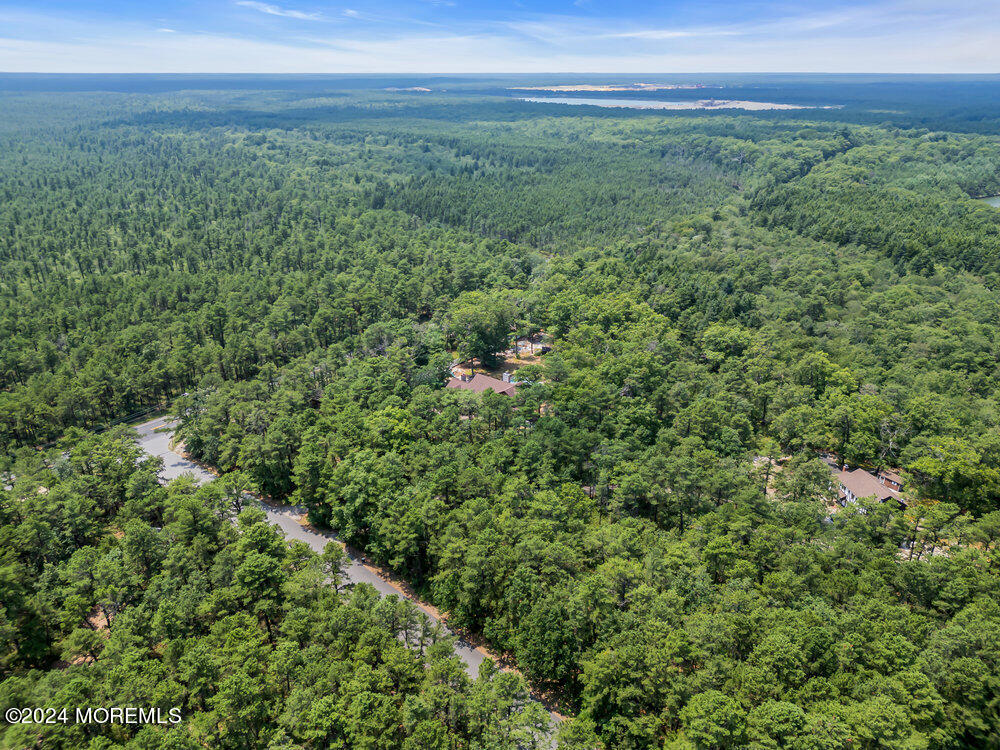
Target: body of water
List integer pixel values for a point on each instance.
(993, 200)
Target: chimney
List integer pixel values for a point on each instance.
(506, 377)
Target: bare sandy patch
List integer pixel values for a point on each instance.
(676, 105)
(614, 87)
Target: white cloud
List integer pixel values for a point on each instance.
(654, 34)
(894, 18)
(908, 36)
(275, 10)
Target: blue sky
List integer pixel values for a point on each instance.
(517, 36)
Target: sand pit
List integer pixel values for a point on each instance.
(613, 87)
(670, 105)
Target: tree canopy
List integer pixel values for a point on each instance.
(648, 528)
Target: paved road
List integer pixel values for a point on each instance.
(287, 517)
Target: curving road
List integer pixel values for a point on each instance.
(287, 517)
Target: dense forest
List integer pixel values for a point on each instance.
(122, 592)
(647, 529)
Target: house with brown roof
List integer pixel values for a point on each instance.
(857, 484)
(479, 383)
(890, 479)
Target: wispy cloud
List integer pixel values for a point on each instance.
(854, 20)
(914, 36)
(654, 34)
(277, 10)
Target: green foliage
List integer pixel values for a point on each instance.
(645, 528)
(227, 623)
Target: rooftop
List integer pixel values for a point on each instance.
(480, 383)
(891, 476)
(863, 484)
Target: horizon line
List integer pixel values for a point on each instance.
(494, 74)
